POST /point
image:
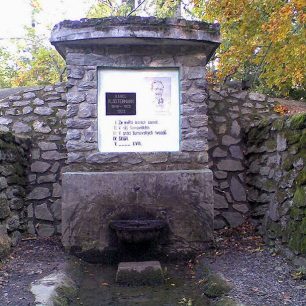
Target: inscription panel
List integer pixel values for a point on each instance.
(138, 110)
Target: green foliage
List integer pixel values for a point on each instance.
(31, 61)
(298, 121)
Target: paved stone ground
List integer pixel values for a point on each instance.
(259, 276)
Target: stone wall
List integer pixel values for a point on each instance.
(13, 162)
(230, 112)
(40, 114)
(276, 179)
(82, 142)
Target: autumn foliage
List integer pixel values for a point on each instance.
(263, 42)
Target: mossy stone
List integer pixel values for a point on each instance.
(296, 213)
(292, 137)
(297, 121)
(301, 178)
(278, 124)
(226, 301)
(303, 245)
(295, 241)
(216, 286)
(299, 198)
(303, 226)
(271, 145)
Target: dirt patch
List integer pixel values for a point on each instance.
(258, 275)
(30, 261)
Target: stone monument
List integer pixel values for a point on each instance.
(136, 131)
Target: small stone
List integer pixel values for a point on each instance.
(229, 140)
(219, 224)
(38, 101)
(5, 121)
(40, 167)
(39, 193)
(55, 167)
(28, 95)
(235, 129)
(78, 123)
(220, 201)
(220, 174)
(155, 158)
(5, 245)
(144, 273)
(4, 207)
(216, 286)
(3, 183)
(53, 155)
(56, 209)
(100, 158)
(255, 96)
(219, 119)
(50, 178)
(234, 219)
(57, 190)
(194, 145)
(15, 238)
(19, 127)
(236, 152)
(73, 134)
(86, 110)
(16, 203)
(27, 110)
(47, 146)
(41, 127)
(218, 152)
(72, 145)
(43, 111)
(12, 223)
(198, 121)
(42, 212)
(237, 190)
(45, 230)
(198, 98)
(281, 143)
(230, 165)
(243, 208)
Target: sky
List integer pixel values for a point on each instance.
(15, 14)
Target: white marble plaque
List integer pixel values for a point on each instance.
(138, 110)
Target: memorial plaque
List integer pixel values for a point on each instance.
(150, 123)
(120, 104)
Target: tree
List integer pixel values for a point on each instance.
(32, 61)
(263, 42)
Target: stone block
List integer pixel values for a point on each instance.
(144, 273)
(42, 212)
(92, 199)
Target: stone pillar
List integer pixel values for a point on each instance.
(185, 198)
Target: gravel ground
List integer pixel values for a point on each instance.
(259, 276)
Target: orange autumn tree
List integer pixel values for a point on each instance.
(263, 42)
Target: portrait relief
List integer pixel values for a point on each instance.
(159, 94)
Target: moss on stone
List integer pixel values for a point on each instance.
(216, 286)
(271, 145)
(301, 178)
(295, 241)
(297, 121)
(302, 141)
(303, 246)
(278, 124)
(287, 164)
(299, 198)
(296, 213)
(292, 136)
(269, 185)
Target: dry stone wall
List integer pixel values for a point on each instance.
(40, 114)
(230, 112)
(13, 163)
(276, 179)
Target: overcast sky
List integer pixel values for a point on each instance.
(14, 14)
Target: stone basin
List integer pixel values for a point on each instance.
(135, 231)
